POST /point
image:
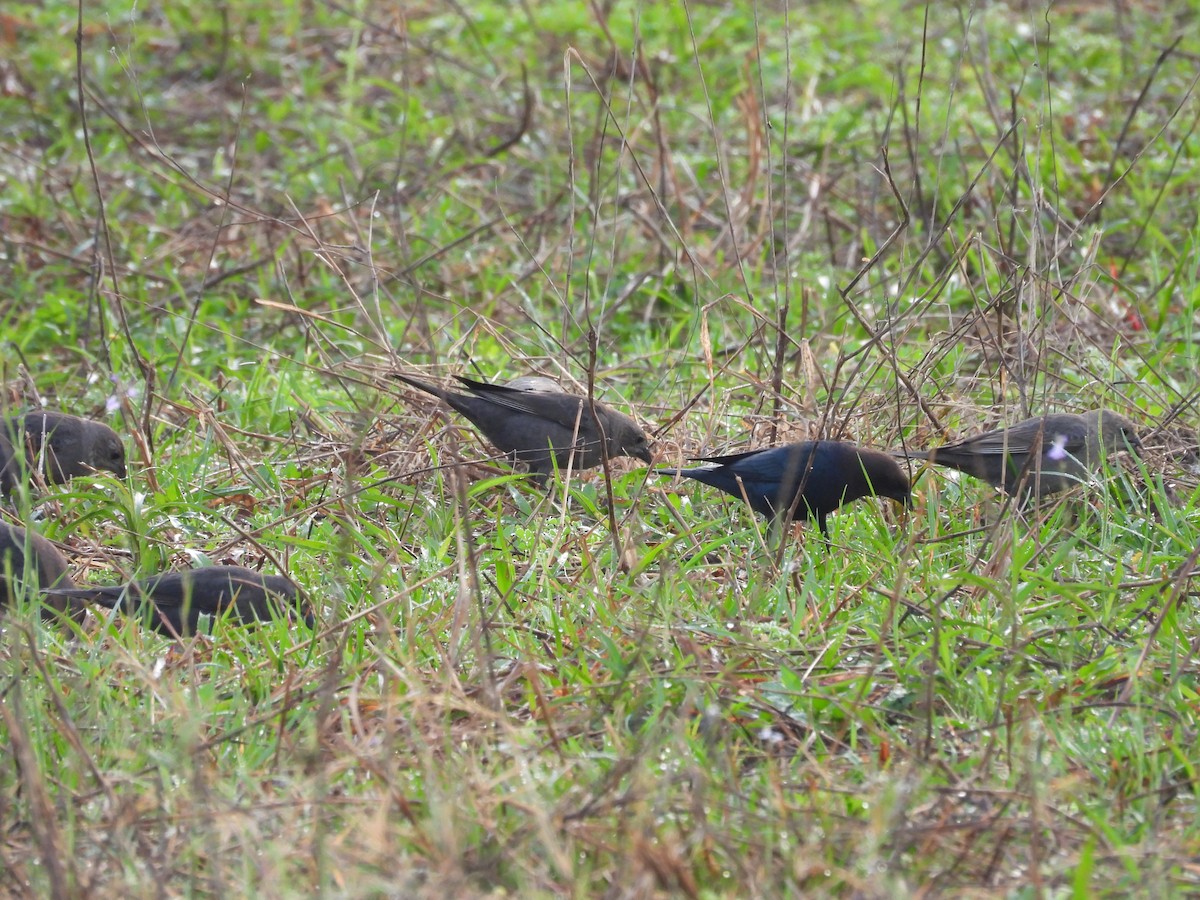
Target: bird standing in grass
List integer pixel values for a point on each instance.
(65, 446)
(809, 479)
(543, 428)
(1042, 455)
(173, 602)
(26, 556)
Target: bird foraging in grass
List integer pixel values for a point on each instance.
(809, 479)
(26, 557)
(541, 427)
(1039, 456)
(173, 602)
(65, 446)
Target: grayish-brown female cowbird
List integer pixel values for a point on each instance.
(173, 602)
(813, 478)
(1041, 455)
(64, 445)
(540, 427)
(28, 559)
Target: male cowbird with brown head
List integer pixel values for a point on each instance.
(542, 427)
(1042, 455)
(29, 560)
(173, 602)
(809, 479)
(64, 445)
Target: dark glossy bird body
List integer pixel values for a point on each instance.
(28, 561)
(64, 446)
(541, 427)
(1042, 455)
(173, 602)
(813, 478)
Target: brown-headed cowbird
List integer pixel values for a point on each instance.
(1041, 455)
(28, 559)
(65, 446)
(542, 427)
(173, 602)
(813, 478)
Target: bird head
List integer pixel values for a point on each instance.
(1116, 433)
(885, 477)
(108, 453)
(626, 438)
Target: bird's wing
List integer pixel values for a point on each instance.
(1067, 436)
(562, 409)
(773, 462)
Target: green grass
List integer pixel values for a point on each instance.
(503, 694)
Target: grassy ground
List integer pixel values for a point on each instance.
(746, 224)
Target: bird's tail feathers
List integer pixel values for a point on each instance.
(87, 595)
(472, 384)
(429, 388)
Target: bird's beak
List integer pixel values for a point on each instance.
(106, 473)
(646, 455)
